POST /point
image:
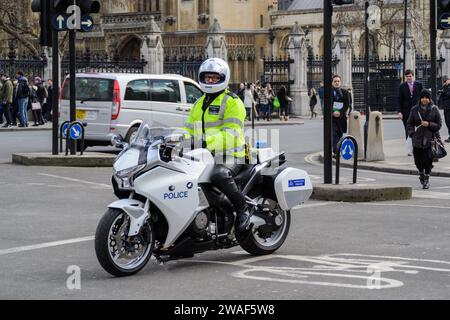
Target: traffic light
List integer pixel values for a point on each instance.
(86, 6)
(45, 20)
(443, 14)
(343, 2)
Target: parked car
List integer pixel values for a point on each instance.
(119, 103)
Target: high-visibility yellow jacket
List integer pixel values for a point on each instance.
(221, 124)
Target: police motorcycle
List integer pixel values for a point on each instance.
(168, 208)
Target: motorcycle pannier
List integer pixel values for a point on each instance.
(292, 187)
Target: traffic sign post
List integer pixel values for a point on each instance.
(72, 132)
(348, 149)
(63, 134)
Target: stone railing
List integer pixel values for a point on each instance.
(129, 19)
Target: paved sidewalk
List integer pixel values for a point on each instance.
(396, 161)
(45, 127)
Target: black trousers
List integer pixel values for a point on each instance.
(447, 119)
(223, 179)
(7, 108)
(422, 160)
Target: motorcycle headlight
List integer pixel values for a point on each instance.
(128, 173)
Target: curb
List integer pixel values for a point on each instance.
(318, 157)
(24, 129)
(361, 193)
(272, 123)
(45, 159)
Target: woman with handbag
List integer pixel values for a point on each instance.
(423, 127)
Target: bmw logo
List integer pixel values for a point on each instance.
(172, 188)
(190, 185)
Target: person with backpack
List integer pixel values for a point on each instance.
(23, 96)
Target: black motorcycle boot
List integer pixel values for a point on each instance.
(426, 182)
(243, 221)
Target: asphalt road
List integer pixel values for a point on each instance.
(389, 250)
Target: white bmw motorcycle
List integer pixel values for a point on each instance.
(168, 207)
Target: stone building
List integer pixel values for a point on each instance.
(386, 42)
(184, 28)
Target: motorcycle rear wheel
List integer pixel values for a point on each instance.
(256, 245)
(117, 253)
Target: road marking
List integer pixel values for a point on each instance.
(354, 271)
(45, 245)
(105, 186)
(404, 205)
(313, 205)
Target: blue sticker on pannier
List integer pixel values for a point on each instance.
(296, 183)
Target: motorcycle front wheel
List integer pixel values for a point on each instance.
(263, 241)
(117, 253)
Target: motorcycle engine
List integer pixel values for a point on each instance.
(200, 224)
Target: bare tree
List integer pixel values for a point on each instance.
(392, 17)
(18, 24)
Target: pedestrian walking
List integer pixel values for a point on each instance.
(47, 106)
(321, 95)
(37, 99)
(408, 97)
(444, 103)
(263, 101)
(1, 103)
(15, 104)
(341, 104)
(270, 100)
(313, 102)
(23, 97)
(249, 101)
(256, 90)
(284, 100)
(241, 91)
(350, 92)
(423, 126)
(6, 99)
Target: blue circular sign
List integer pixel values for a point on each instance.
(76, 132)
(87, 23)
(445, 21)
(64, 129)
(348, 149)
(59, 22)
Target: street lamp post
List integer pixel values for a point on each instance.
(327, 74)
(404, 37)
(366, 77)
(433, 48)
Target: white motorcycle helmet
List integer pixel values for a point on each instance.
(217, 66)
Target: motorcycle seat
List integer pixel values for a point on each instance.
(244, 175)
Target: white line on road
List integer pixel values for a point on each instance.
(404, 205)
(45, 245)
(77, 180)
(313, 205)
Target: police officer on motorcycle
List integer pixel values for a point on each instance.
(217, 120)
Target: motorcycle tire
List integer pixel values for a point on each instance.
(105, 242)
(256, 246)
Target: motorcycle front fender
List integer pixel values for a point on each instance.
(135, 210)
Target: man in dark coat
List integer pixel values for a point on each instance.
(341, 104)
(444, 103)
(408, 97)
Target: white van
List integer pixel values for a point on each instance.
(118, 103)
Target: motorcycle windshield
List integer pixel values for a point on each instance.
(150, 132)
